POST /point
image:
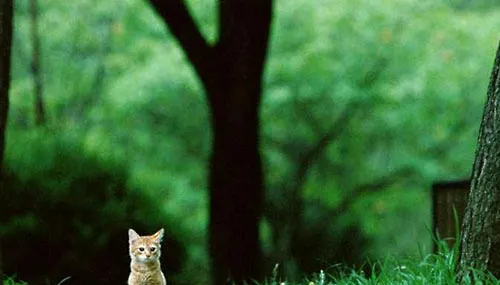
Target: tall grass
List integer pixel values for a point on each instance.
(438, 268)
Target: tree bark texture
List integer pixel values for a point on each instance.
(231, 72)
(6, 18)
(480, 239)
(36, 71)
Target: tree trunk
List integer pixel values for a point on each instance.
(236, 179)
(36, 66)
(231, 72)
(6, 17)
(236, 187)
(480, 240)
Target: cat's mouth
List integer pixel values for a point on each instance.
(146, 258)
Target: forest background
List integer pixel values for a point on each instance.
(365, 105)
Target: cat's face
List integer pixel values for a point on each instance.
(144, 248)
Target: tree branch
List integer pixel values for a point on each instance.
(371, 187)
(183, 27)
(36, 69)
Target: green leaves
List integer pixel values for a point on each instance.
(411, 75)
(357, 92)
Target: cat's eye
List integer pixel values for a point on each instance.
(152, 249)
(141, 248)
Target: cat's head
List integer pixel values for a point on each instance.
(144, 249)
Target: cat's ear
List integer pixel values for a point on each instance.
(132, 235)
(159, 235)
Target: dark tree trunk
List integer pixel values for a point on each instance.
(236, 188)
(6, 17)
(36, 65)
(231, 72)
(480, 241)
(236, 182)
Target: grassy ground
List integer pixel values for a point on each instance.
(438, 269)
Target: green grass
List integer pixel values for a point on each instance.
(439, 269)
(432, 269)
(12, 281)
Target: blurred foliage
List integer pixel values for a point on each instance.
(474, 4)
(366, 104)
(69, 213)
(397, 90)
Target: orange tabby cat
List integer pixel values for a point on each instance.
(145, 254)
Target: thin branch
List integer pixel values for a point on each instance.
(327, 138)
(182, 25)
(303, 110)
(36, 66)
(372, 187)
(92, 96)
(314, 152)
